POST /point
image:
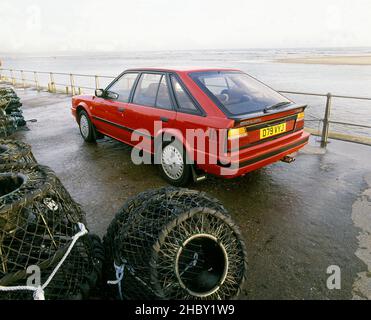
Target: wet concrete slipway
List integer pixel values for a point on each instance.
(297, 219)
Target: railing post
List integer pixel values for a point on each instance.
(12, 75)
(72, 84)
(52, 83)
(326, 122)
(96, 82)
(36, 81)
(23, 80)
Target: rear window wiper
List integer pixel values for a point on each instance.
(277, 105)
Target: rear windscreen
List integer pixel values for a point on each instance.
(237, 92)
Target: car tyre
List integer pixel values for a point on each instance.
(178, 173)
(87, 129)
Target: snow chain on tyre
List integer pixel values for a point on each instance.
(175, 243)
(38, 220)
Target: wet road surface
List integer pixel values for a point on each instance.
(297, 219)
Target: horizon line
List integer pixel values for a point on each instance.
(58, 52)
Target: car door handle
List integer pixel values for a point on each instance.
(164, 119)
(121, 109)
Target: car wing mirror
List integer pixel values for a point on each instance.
(111, 95)
(99, 93)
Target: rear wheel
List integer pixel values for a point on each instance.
(173, 166)
(86, 127)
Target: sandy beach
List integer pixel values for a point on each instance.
(335, 60)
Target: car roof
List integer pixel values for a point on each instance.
(182, 69)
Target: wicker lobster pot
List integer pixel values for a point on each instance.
(38, 219)
(15, 151)
(10, 102)
(175, 244)
(7, 91)
(11, 112)
(7, 124)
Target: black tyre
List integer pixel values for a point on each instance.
(86, 127)
(173, 164)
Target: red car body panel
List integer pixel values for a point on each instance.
(118, 120)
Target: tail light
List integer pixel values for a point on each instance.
(300, 121)
(235, 133)
(300, 116)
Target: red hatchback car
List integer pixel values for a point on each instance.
(239, 123)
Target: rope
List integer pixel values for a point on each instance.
(38, 292)
(120, 270)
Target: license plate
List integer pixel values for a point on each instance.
(273, 130)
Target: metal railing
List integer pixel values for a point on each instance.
(326, 119)
(70, 87)
(8, 75)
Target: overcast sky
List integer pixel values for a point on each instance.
(110, 25)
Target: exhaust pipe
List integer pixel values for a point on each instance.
(288, 159)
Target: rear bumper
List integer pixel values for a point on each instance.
(258, 160)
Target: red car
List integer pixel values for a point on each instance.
(243, 124)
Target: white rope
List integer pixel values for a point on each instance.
(38, 292)
(120, 270)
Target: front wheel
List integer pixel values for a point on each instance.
(86, 127)
(173, 166)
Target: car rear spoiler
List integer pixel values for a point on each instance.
(246, 116)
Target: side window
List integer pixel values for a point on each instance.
(184, 101)
(146, 90)
(163, 97)
(123, 86)
(217, 85)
